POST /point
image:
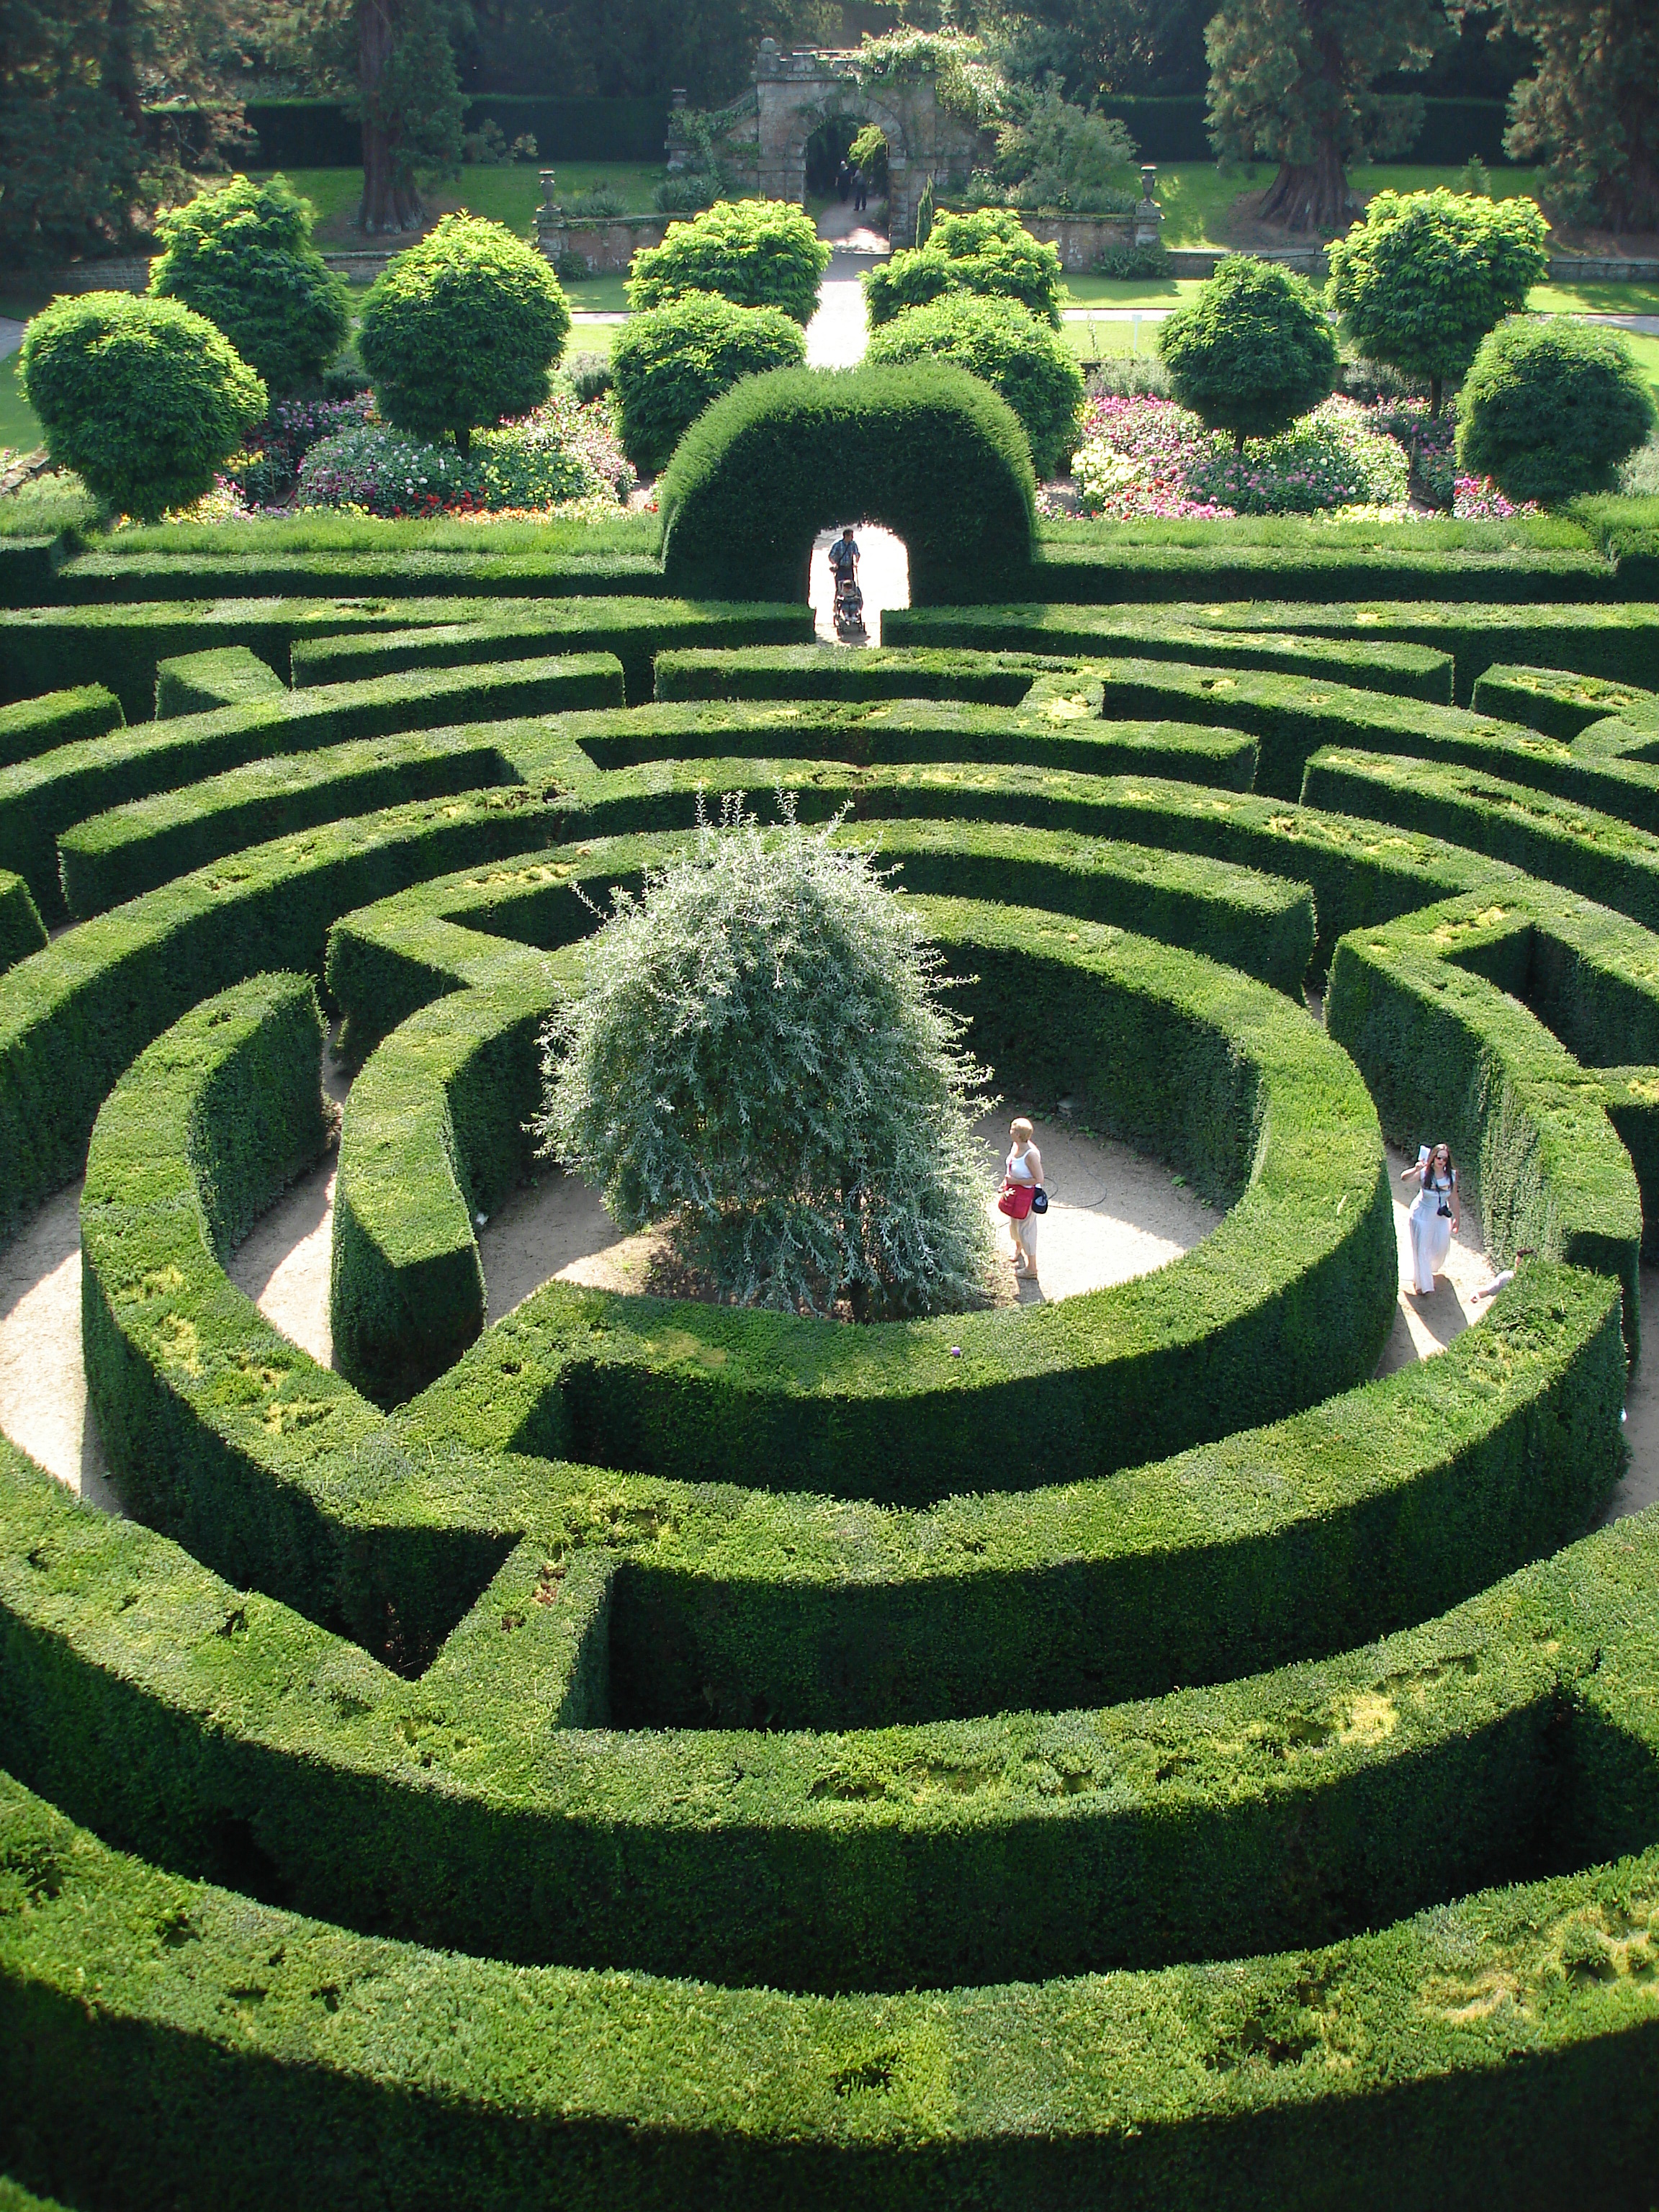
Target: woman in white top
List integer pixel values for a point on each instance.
(1434, 1215)
(1024, 1165)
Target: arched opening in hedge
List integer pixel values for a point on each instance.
(925, 449)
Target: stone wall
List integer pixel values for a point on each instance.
(606, 245)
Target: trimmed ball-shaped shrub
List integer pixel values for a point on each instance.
(759, 1057)
(241, 255)
(669, 363)
(1423, 278)
(987, 250)
(756, 253)
(926, 448)
(145, 399)
(1551, 407)
(462, 330)
(1253, 351)
(1006, 346)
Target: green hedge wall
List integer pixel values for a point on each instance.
(636, 631)
(1413, 672)
(40, 798)
(120, 578)
(817, 671)
(73, 1018)
(1125, 1836)
(21, 929)
(1561, 705)
(929, 451)
(1185, 2087)
(1619, 641)
(1550, 839)
(1442, 1050)
(1219, 568)
(62, 718)
(224, 676)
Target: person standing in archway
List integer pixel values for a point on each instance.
(860, 188)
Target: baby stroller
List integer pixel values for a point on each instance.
(849, 602)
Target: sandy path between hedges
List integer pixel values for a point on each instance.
(1114, 1215)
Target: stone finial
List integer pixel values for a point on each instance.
(1148, 179)
(547, 176)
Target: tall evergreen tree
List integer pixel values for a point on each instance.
(1592, 110)
(1291, 81)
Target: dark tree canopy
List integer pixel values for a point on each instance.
(1591, 110)
(1292, 81)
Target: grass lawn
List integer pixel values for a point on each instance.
(18, 427)
(509, 194)
(1593, 299)
(1091, 340)
(1646, 350)
(1128, 291)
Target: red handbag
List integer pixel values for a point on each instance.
(1015, 1200)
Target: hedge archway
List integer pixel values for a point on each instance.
(927, 450)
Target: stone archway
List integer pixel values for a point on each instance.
(795, 92)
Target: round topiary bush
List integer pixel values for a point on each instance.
(987, 250)
(461, 329)
(1001, 342)
(926, 448)
(145, 398)
(241, 255)
(1552, 407)
(1253, 351)
(760, 1057)
(670, 362)
(1426, 276)
(756, 253)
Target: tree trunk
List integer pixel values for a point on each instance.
(463, 438)
(121, 69)
(1635, 194)
(1312, 195)
(1435, 389)
(388, 203)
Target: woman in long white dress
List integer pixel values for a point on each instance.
(1434, 1214)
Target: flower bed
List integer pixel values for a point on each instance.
(564, 454)
(1145, 456)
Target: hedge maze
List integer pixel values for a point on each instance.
(644, 1753)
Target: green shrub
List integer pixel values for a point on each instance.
(1000, 341)
(931, 451)
(756, 253)
(773, 1000)
(240, 253)
(461, 329)
(20, 928)
(1551, 407)
(987, 250)
(1425, 276)
(143, 399)
(1252, 352)
(1053, 154)
(669, 363)
(37, 725)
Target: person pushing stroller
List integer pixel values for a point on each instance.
(845, 555)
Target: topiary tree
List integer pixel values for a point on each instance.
(1253, 351)
(757, 253)
(987, 250)
(1003, 343)
(759, 1057)
(461, 329)
(669, 363)
(241, 255)
(1426, 275)
(1551, 407)
(143, 399)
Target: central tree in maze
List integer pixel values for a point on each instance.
(760, 1054)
